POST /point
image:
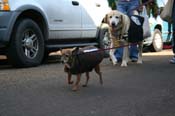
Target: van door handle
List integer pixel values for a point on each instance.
(98, 5)
(75, 3)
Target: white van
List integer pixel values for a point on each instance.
(30, 29)
(159, 30)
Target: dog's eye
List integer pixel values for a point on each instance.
(116, 17)
(110, 17)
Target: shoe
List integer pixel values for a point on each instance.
(134, 59)
(119, 60)
(172, 61)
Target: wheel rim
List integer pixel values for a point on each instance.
(30, 44)
(158, 40)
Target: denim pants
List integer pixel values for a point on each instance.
(127, 7)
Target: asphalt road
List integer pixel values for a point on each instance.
(138, 90)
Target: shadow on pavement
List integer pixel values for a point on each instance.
(4, 64)
(56, 58)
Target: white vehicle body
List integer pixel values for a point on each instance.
(159, 31)
(62, 23)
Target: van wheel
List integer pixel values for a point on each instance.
(27, 45)
(157, 44)
(104, 41)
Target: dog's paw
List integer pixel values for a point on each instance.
(75, 88)
(114, 63)
(85, 85)
(124, 64)
(70, 82)
(139, 62)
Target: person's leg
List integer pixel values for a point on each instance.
(174, 29)
(122, 6)
(133, 48)
(118, 54)
(133, 6)
(173, 39)
(169, 32)
(169, 27)
(133, 53)
(127, 8)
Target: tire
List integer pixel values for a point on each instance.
(26, 48)
(104, 40)
(157, 43)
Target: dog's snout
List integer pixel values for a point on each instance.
(113, 24)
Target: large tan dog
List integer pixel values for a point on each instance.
(78, 61)
(119, 25)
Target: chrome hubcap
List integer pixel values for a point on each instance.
(30, 44)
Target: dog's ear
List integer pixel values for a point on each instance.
(105, 19)
(65, 52)
(122, 20)
(75, 49)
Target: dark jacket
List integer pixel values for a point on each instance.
(135, 33)
(82, 61)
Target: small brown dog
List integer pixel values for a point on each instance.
(82, 60)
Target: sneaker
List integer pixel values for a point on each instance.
(133, 59)
(172, 61)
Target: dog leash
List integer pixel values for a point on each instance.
(105, 49)
(122, 46)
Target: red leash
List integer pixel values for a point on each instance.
(104, 49)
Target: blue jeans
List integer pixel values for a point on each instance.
(127, 8)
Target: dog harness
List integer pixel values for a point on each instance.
(84, 59)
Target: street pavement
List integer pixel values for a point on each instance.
(136, 90)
